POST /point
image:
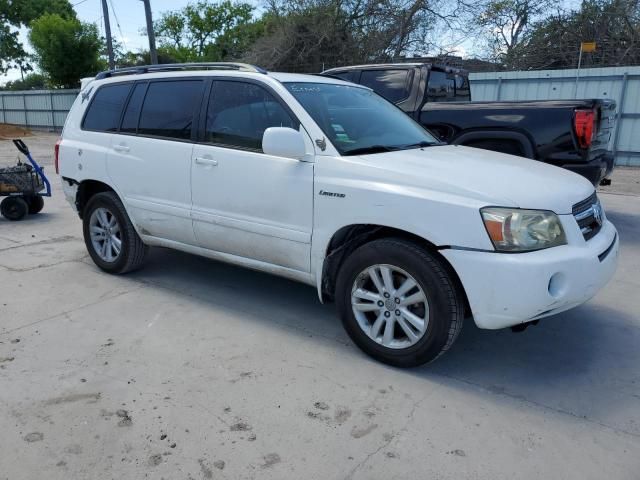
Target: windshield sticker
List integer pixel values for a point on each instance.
(305, 88)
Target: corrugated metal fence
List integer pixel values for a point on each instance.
(621, 84)
(36, 108)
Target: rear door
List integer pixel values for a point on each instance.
(150, 156)
(88, 148)
(247, 203)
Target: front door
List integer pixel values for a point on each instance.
(247, 203)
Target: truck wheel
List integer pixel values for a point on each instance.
(109, 235)
(36, 204)
(14, 208)
(398, 302)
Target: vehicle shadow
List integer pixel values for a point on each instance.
(262, 296)
(583, 361)
(30, 219)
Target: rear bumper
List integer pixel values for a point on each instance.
(508, 289)
(70, 193)
(595, 170)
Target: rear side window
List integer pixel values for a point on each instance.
(132, 112)
(348, 76)
(169, 108)
(441, 87)
(103, 114)
(393, 85)
(463, 92)
(240, 112)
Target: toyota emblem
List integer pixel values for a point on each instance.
(597, 213)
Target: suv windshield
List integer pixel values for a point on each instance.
(357, 120)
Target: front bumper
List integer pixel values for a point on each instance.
(508, 289)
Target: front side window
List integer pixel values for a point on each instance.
(240, 112)
(169, 108)
(393, 85)
(357, 120)
(103, 114)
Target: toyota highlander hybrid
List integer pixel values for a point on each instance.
(324, 182)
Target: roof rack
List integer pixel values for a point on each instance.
(172, 67)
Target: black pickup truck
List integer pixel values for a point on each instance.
(572, 134)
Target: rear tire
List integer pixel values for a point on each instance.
(372, 296)
(36, 204)
(14, 208)
(109, 235)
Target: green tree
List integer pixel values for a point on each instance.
(190, 34)
(16, 14)
(65, 49)
(33, 81)
(133, 59)
(555, 41)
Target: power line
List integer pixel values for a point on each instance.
(78, 3)
(113, 9)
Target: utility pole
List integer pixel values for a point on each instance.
(107, 32)
(152, 39)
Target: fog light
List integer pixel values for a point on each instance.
(558, 285)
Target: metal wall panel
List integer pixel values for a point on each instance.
(621, 84)
(37, 108)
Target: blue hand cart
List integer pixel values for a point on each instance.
(24, 186)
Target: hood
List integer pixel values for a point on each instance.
(490, 177)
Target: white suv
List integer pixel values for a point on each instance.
(324, 182)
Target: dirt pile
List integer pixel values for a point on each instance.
(8, 132)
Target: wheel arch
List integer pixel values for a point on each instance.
(520, 138)
(86, 190)
(350, 237)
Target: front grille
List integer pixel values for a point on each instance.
(588, 214)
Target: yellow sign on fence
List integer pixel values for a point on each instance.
(587, 47)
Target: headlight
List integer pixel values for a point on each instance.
(515, 230)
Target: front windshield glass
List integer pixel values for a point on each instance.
(357, 120)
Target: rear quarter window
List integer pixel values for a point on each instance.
(103, 113)
(394, 85)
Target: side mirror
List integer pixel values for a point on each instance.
(284, 142)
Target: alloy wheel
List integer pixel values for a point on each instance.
(390, 306)
(106, 237)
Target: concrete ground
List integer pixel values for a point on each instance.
(194, 369)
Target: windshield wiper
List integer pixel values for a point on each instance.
(370, 149)
(419, 145)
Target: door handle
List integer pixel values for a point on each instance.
(206, 161)
(121, 148)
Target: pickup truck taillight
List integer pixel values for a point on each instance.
(584, 124)
(56, 152)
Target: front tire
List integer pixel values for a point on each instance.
(109, 235)
(398, 302)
